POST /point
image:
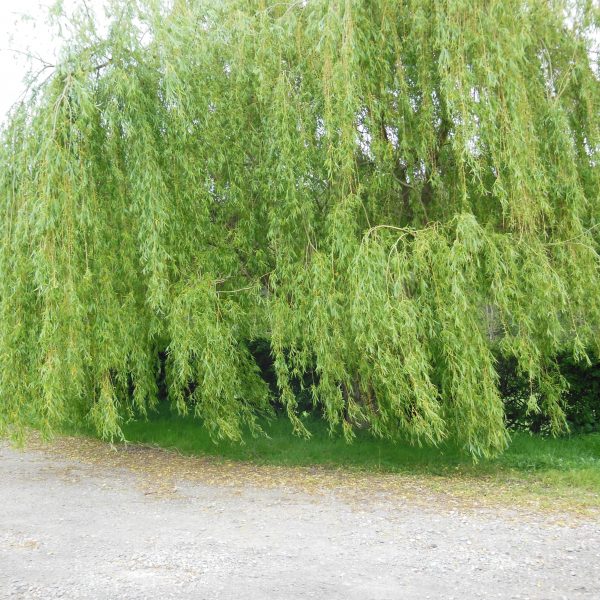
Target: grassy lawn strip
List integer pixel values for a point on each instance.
(565, 469)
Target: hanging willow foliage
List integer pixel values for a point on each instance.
(391, 192)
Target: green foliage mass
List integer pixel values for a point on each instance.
(388, 191)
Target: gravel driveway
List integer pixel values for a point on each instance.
(71, 529)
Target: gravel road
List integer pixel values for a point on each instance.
(71, 529)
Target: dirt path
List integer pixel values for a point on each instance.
(73, 529)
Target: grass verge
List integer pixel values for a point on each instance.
(561, 473)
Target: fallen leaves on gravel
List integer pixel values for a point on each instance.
(159, 471)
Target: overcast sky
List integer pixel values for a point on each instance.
(18, 34)
(23, 29)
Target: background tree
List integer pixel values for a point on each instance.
(392, 193)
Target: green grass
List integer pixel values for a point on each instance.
(566, 463)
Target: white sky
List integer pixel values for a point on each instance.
(18, 34)
(23, 29)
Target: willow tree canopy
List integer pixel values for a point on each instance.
(393, 193)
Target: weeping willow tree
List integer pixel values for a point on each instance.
(393, 193)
